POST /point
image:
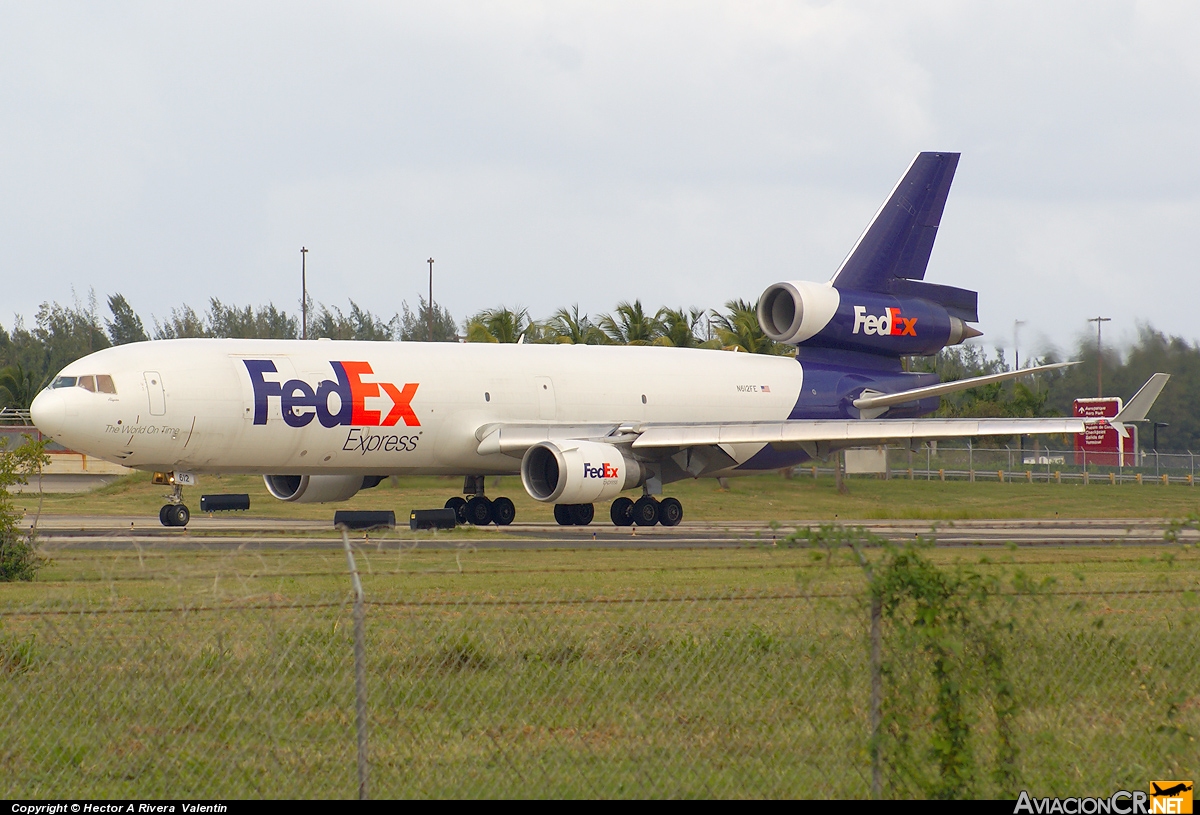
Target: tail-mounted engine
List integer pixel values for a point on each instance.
(577, 472)
(815, 314)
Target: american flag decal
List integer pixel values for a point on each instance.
(765, 388)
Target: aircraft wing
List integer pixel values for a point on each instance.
(816, 436)
(839, 431)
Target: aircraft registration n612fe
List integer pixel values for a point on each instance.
(581, 424)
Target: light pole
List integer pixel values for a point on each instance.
(303, 294)
(429, 313)
(1099, 354)
(1016, 353)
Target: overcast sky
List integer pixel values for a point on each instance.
(555, 153)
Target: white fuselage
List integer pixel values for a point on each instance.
(190, 405)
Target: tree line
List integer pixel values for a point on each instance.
(30, 356)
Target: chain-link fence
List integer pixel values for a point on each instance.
(725, 674)
(934, 461)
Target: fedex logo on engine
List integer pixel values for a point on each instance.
(300, 402)
(605, 471)
(889, 324)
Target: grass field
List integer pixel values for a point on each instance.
(727, 673)
(762, 498)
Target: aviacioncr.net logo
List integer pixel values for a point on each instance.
(300, 402)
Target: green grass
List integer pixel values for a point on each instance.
(754, 498)
(728, 673)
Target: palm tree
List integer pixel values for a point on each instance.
(678, 328)
(568, 326)
(630, 325)
(739, 330)
(17, 387)
(501, 325)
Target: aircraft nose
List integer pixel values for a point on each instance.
(48, 412)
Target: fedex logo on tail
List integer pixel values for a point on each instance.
(300, 402)
(890, 323)
(605, 470)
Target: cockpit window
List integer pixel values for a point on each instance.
(100, 383)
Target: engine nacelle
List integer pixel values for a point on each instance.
(318, 489)
(577, 472)
(815, 314)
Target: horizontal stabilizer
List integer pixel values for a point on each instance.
(873, 401)
(960, 303)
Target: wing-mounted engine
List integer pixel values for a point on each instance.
(318, 489)
(820, 315)
(577, 472)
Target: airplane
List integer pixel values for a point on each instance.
(581, 424)
(1170, 792)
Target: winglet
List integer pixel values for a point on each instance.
(1135, 409)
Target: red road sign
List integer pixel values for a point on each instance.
(1101, 444)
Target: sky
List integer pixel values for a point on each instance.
(547, 154)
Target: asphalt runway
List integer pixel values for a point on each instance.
(219, 532)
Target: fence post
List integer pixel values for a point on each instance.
(360, 667)
(876, 695)
(971, 460)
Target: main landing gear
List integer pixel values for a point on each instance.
(479, 510)
(646, 511)
(175, 513)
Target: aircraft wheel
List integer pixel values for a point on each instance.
(459, 505)
(562, 514)
(670, 512)
(503, 511)
(178, 515)
(622, 511)
(645, 511)
(479, 511)
(162, 515)
(582, 514)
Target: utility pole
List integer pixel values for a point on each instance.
(1099, 354)
(430, 312)
(303, 294)
(1016, 352)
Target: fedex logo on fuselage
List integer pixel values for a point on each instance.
(889, 324)
(605, 470)
(300, 402)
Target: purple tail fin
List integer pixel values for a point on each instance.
(892, 254)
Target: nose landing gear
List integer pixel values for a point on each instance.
(175, 512)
